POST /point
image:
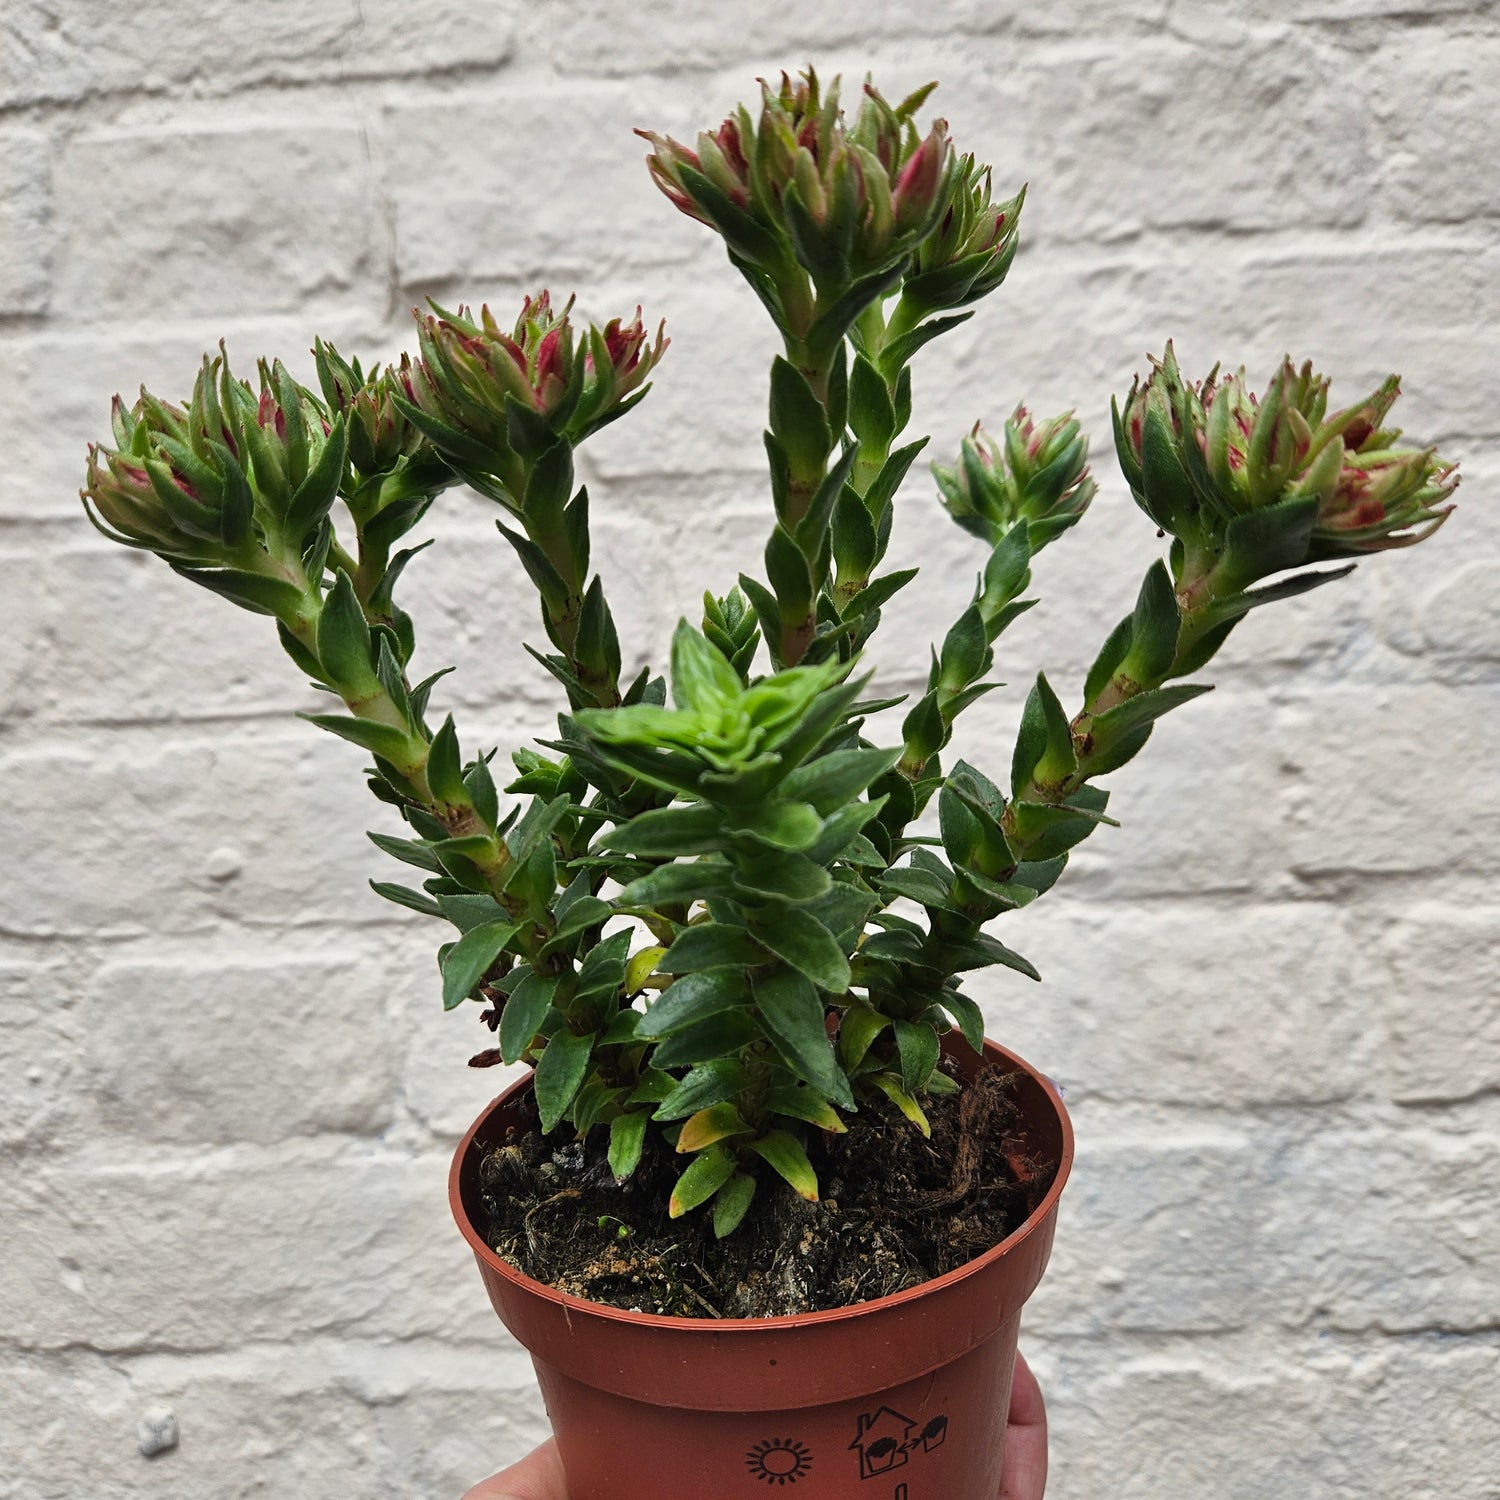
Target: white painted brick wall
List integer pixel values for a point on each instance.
(229, 1093)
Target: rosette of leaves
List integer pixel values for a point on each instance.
(755, 891)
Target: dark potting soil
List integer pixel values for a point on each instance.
(897, 1210)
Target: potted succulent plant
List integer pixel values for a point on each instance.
(769, 1204)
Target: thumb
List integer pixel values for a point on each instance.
(539, 1476)
(1025, 1438)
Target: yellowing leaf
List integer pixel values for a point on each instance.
(709, 1125)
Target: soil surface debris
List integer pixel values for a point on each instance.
(897, 1210)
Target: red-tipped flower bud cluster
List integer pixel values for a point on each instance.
(238, 479)
(970, 251)
(800, 185)
(1037, 473)
(489, 399)
(1203, 458)
(380, 437)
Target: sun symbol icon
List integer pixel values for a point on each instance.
(779, 1460)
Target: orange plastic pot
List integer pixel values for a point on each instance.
(897, 1399)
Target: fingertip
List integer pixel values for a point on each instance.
(1025, 1468)
(1028, 1407)
(539, 1476)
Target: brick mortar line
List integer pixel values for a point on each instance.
(1281, 890)
(1375, 891)
(1106, 1119)
(533, 69)
(24, 733)
(1250, 1346)
(392, 88)
(1152, 247)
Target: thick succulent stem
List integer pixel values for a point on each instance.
(1192, 609)
(808, 472)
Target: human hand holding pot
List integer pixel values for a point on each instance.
(539, 1476)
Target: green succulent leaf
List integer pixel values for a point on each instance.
(921, 886)
(706, 1085)
(790, 575)
(627, 1135)
(802, 941)
(668, 832)
(842, 830)
(967, 1013)
(879, 592)
(1154, 628)
(314, 497)
(899, 351)
(891, 1086)
(723, 1035)
(1110, 658)
(982, 951)
(583, 913)
(702, 680)
(679, 884)
(379, 739)
(732, 1203)
(254, 591)
(405, 896)
(708, 1171)
(444, 772)
(710, 945)
(793, 1016)
(470, 958)
(1144, 709)
(790, 826)
(344, 640)
(524, 1011)
(560, 1072)
(797, 418)
(1044, 744)
(409, 851)
(917, 1046)
(799, 1102)
(693, 998)
(858, 1028)
(717, 1123)
(871, 413)
(833, 781)
(781, 876)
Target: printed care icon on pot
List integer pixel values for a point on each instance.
(886, 1440)
(779, 1461)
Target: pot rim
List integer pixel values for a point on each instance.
(573, 1306)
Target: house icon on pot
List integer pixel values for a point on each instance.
(883, 1441)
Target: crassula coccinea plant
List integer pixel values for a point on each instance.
(765, 985)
